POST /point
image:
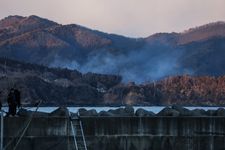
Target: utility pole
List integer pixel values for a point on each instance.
(5, 69)
(2, 124)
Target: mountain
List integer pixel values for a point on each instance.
(63, 87)
(205, 32)
(39, 40)
(200, 33)
(54, 86)
(197, 51)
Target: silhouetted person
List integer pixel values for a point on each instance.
(17, 97)
(13, 100)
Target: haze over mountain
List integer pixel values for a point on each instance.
(197, 51)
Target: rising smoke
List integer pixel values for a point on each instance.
(152, 62)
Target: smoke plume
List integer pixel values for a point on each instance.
(152, 62)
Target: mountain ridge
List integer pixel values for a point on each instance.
(41, 41)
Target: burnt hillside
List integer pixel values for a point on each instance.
(56, 86)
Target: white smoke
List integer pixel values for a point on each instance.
(150, 63)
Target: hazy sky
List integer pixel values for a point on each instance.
(135, 18)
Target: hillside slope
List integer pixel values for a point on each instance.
(65, 87)
(53, 85)
(197, 51)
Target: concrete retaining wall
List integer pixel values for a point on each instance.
(121, 133)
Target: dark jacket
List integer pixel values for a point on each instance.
(17, 97)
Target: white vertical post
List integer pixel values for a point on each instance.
(2, 123)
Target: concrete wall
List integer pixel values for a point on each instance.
(121, 133)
